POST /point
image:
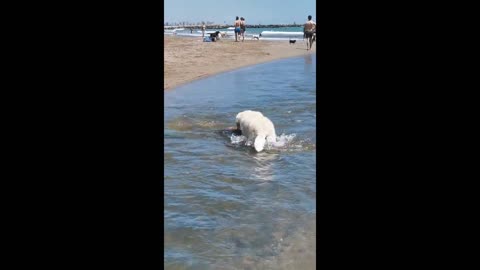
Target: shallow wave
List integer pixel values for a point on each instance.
(185, 123)
(247, 36)
(284, 142)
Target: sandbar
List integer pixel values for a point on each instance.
(187, 59)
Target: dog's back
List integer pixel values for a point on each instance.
(245, 115)
(257, 128)
(215, 36)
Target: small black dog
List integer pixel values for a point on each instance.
(214, 36)
(292, 41)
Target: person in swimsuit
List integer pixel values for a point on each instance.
(237, 28)
(203, 30)
(242, 28)
(308, 31)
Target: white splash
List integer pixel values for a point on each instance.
(237, 139)
(284, 142)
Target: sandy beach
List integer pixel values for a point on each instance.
(189, 59)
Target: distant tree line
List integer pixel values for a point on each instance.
(211, 25)
(183, 23)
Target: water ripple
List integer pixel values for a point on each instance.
(227, 206)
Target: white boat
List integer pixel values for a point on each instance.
(173, 30)
(279, 34)
(208, 31)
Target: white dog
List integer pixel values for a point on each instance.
(257, 128)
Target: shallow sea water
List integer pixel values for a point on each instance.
(226, 206)
(248, 34)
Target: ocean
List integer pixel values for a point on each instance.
(226, 206)
(248, 33)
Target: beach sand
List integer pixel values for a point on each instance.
(189, 59)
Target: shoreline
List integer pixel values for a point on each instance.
(190, 59)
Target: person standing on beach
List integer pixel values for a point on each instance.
(242, 28)
(203, 30)
(308, 30)
(237, 28)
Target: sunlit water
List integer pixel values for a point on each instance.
(250, 32)
(226, 206)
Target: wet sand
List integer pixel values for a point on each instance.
(189, 59)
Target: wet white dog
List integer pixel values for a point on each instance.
(257, 128)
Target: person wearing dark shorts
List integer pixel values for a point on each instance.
(237, 29)
(242, 28)
(308, 31)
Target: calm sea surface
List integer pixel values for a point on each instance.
(248, 34)
(226, 206)
(254, 30)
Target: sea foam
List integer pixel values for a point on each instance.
(282, 141)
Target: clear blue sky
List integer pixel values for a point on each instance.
(254, 11)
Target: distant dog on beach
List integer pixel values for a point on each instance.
(215, 36)
(292, 41)
(256, 37)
